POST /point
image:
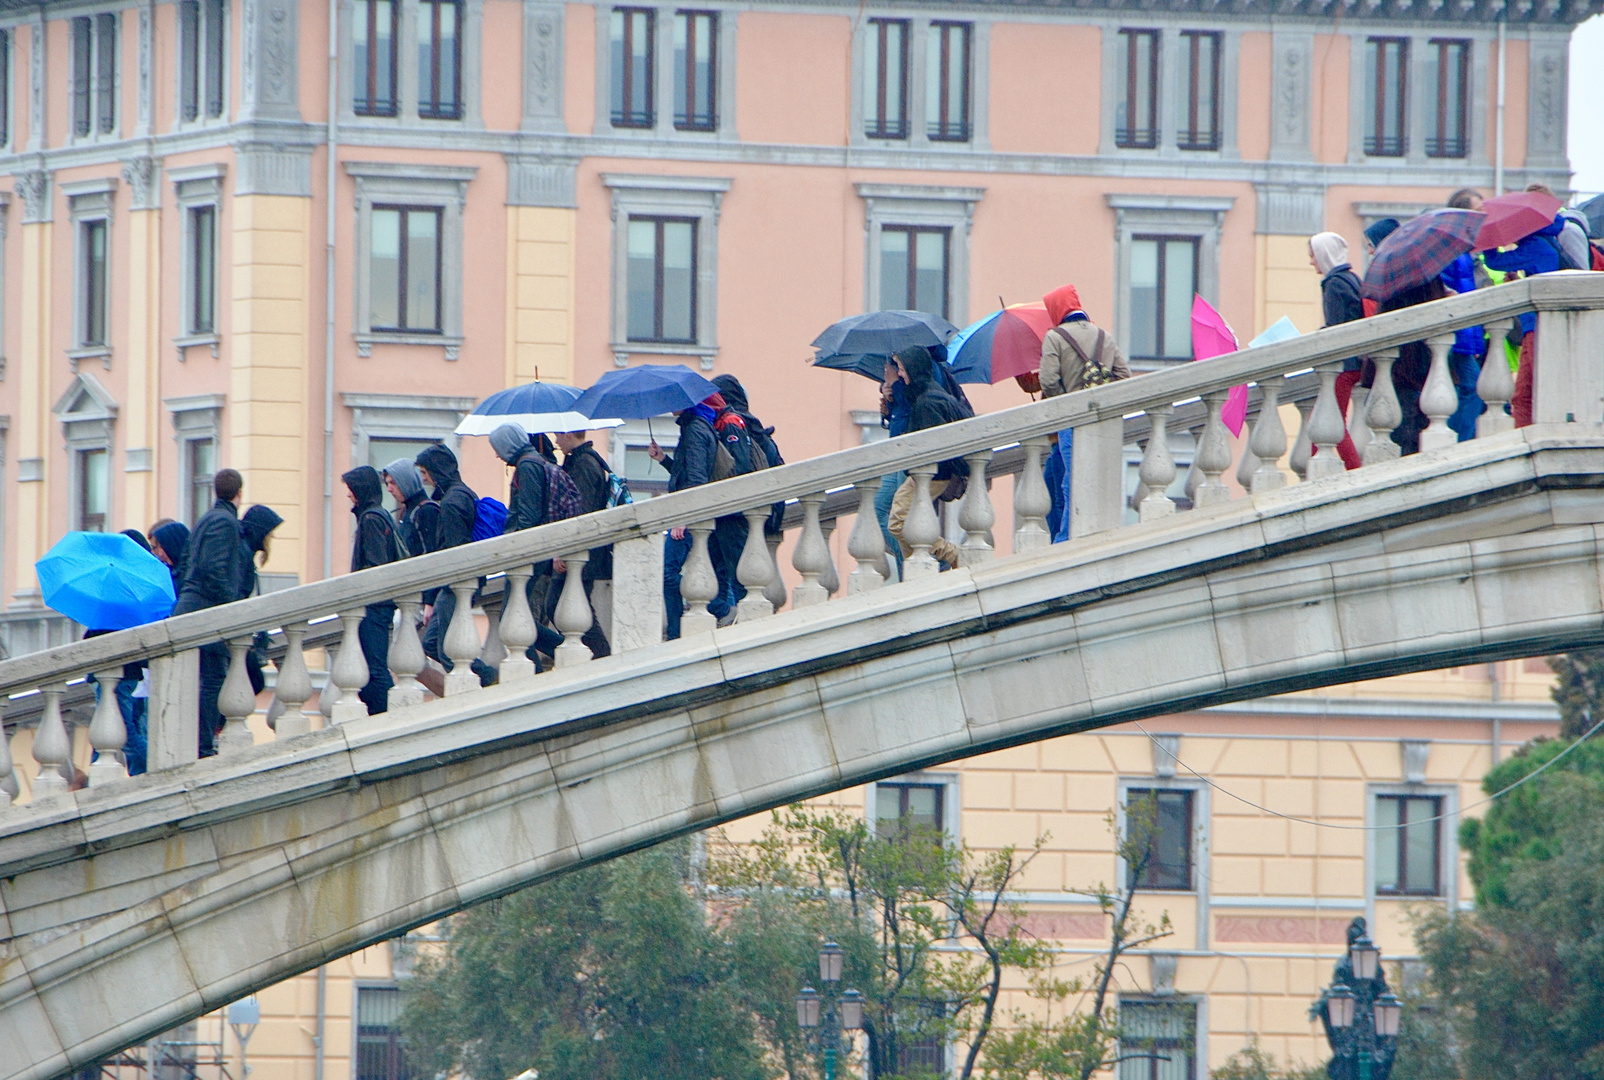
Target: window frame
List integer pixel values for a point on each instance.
(81, 474)
(648, 116)
(1202, 833)
(1448, 859)
(689, 85)
(919, 75)
(91, 204)
(408, 88)
(428, 102)
(664, 88)
(7, 39)
(660, 221)
(1137, 792)
(404, 266)
(88, 415)
(903, 205)
(903, 786)
(206, 71)
(938, 129)
(397, 1053)
(1198, 1006)
(1187, 137)
(911, 292)
(1182, 216)
(1123, 138)
(94, 72)
(1435, 820)
(428, 187)
(1456, 146)
(195, 418)
(951, 784)
(195, 188)
(1163, 240)
(875, 124)
(366, 104)
(404, 417)
(1377, 144)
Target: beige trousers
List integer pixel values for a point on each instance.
(901, 503)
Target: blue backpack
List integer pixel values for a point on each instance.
(489, 518)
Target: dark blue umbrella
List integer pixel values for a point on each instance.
(535, 407)
(869, 365)
(882, 333)
(1594, 210)
(105, 581)
(639, 393)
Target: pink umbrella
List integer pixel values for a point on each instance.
(1212, 336)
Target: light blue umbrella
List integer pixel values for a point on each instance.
(535, 407)
(105, 581)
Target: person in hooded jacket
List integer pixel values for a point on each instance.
(690, 465)
(1538, 253)
(1075, 354)
(1340, 303)
(526, 509)
(169, 542)
(437, 467)
(417, 517)
(932, 407)
(214, 568)
(256, 526)
(377, 543)
(593, 477)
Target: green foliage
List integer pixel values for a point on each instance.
(1578, 690)
(1425, 1040)
(1253, 1062)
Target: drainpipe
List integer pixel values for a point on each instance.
(1498, 158)
(317, 1039)
(1497, 695)
(332, 148)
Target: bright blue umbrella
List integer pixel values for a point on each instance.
(105, 581)
(639, 393)
(535, 407)
(881, 333)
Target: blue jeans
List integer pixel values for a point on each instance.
(1466, 371)
(675, 553)
(1066, 440)
(882, 512)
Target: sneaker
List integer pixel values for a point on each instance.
(488, 675)
(727, 618)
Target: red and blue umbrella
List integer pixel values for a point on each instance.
(1419, 250)
(1005, 344)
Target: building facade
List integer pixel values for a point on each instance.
(292, 237)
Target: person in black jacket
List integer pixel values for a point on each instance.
(932, 407)
(214, 569)
(437, 466)
(1340, 302)
(169, 542)
(376, 543)
(690, 465)
(592, 476)
(526, 509)
(417, 517)
(760, 441)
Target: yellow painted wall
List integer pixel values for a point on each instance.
(30, 524)
(540, 294)
(140, 416)
(1286, 283)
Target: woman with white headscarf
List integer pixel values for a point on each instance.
(1339, 300)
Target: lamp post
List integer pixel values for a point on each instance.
(1360, 1013)
(827, 1015)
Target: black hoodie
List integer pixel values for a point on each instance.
(375, 540)
(217, 561)
(932, 405)
(458, 502)
(762, 439)
(254, 528)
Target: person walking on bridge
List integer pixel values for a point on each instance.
(377, 543)
(214, 570)
(690, 465)
(530, 504)
(437, 467)
(1340, 303)
(932, 407)
(594, 481)
(417, 517)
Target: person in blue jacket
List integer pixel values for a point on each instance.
(1536, 254)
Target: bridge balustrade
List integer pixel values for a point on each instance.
(1105, 419)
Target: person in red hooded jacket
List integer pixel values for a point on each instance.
(1075, 354)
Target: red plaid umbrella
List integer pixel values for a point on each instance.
(1514, 217)
(1419, 250)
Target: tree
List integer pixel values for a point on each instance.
(1578, 690)
(1253, 1062)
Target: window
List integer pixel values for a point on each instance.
(374, 39)
(201, 49)
(379, 1055)
(1136, 101)
(439, 59)
(1408, 845)
(1202, 52)
(1157, 1040)
(947, 82)
(922, 1055)
(94, 489)
(1448, 74)
(633, 67)
(662, 279)
(200, 466)
(913, 268)
(887, 80)
(94, 74)
(5, 87)
(92, 281)
(1163, 281)
(905, 809)
(1385, 88)
(404, 269)
(202, 284)
(1164, 817)
(696, 71)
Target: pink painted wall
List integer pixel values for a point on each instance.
(1252, 96)
(780, 53)
(1045, 88)
(1516, 102)
(579, 68)
(501, 50)
(1329, 103)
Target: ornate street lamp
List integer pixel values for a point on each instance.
(1361, 1015)
(824, 1017)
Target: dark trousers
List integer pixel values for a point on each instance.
(674, 555)
(374, 634)
(213, 670)
(725, 545)
(434, 633)
(593, 639)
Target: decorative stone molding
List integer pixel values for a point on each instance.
(144, 183)
(541, 181)
(1164, 965)
(268, 63)
(30, 470)
(34, 187)
(402, 417)
(1415, 753)
(36, 83)
(147, 23)
(1166, 754)
(138, 459)
(543, 70)
(1293, 58)
(1202, 217)
(273, 169)
(1545, 125)
(1290, 209)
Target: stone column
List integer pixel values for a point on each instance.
(30, 533)
(141, 413)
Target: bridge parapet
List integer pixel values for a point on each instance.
(1569, 388)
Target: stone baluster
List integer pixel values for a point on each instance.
(831, 577)
(1142, 491)
(866, 543)
(1358, 427)
(1269, 440)
(922, 528)
(462, 643)
(50, 746)
(107, 733)
(350, 671)
(1438, 397)
(1249, 464)
(329, 695)
(754, 568)
(494, 651)
(1496, 384)
(294, 685)
(235, 700)
(1381, 410)
(810, 556)
(976, 515)
(406, 657)
(572, 617)
(1158, 465)
(1194, 475)
(698, 583)
(9, 788)
(1325, 426)
(1213, 454)
(774, 592)
(1032, 500)
(517, 626)
(1303, 444)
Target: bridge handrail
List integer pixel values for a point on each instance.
(1573, 291)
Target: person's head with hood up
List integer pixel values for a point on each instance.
(363, 485)
(401, 478)
(169, 540)
(256, 525)
(437, 467)
(733, 393)
(1379, 231)
(707, 409)
(1327, 251)
(508, 441)
(139, 538)
(918, 367)
(1062, 303)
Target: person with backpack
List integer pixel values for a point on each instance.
(459, 510)
(932, 407)
(762, 453)
(417, 516)
(377, 543)
(692, 464)
(541, 493)
(1075, 354)
(599, 489)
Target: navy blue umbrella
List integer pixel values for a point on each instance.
(881, 333)
(638, 393)
(869, 365)
(105, 581)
